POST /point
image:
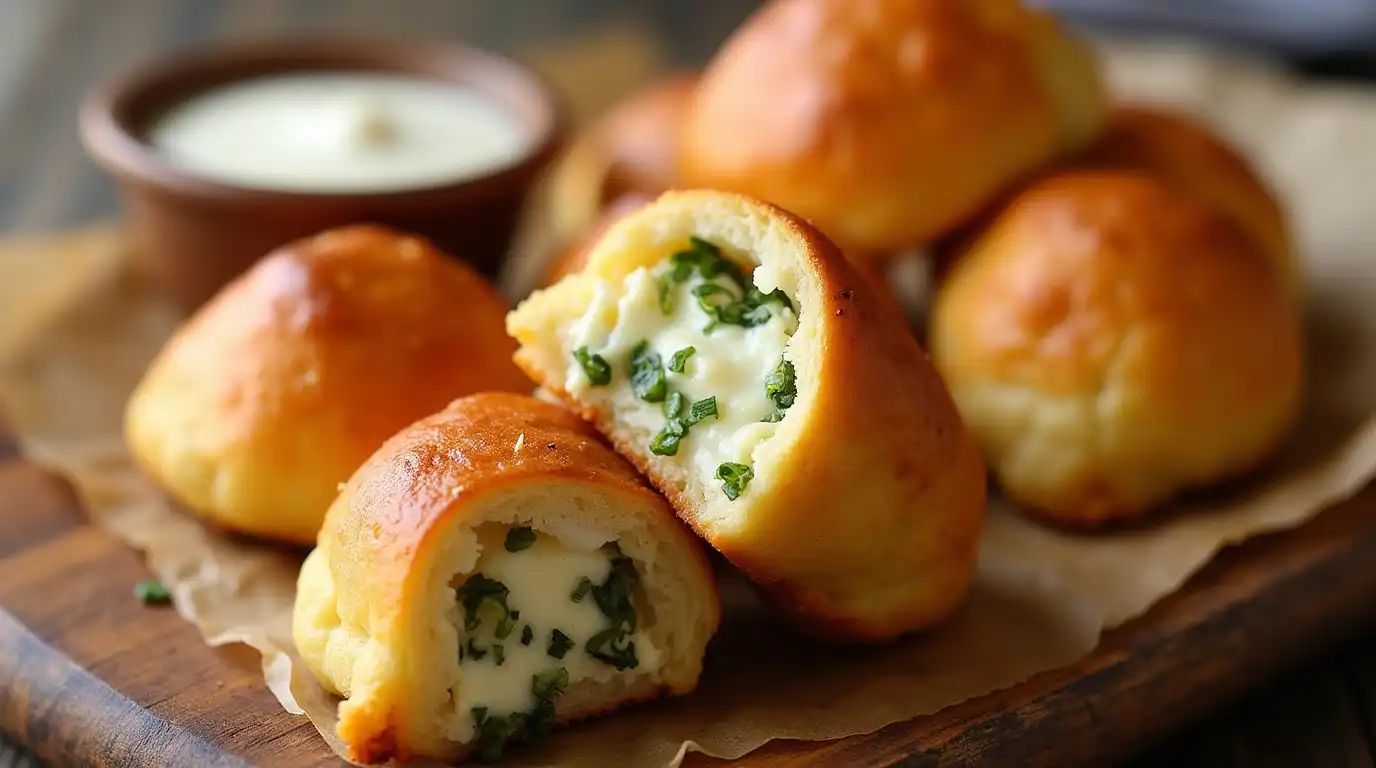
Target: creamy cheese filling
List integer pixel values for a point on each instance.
(730, 362)
(541, 624)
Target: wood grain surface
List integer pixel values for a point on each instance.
(71, 585)
(168, 699)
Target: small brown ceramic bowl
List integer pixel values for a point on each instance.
(194, 234)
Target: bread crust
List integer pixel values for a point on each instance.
(888, 122)
(632, 150)
(275, 392)
(397, 512)
(871, 528)
(1113, 341)
(1184, 153)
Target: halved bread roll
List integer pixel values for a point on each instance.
(273, 393)
(492, 571)
(733, 354)
(1113, 341)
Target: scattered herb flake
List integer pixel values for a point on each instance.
(477, 591)
(703, 409)
(520, 538)
(594, 367)
(735, 477)
(550, 683)
(680, 359)
(527, 635)
(152, 592)
(474, 652)
(614, 647)
(667, 286)
(666, 442)
(781, 385)
(559, 644)
(499, 653)
(674, 405)
(582, 590)
(647, 374)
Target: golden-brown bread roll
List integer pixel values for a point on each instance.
(275, 391)
(632, 150)
(494, 570)
(1112, 342)
(1184, 153)
(888, 122)
(731, 352)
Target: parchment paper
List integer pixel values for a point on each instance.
(77, 329)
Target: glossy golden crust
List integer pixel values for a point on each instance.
(632, 150)
(1111, 342)
(1184, 153)
(391, 540)
(870, 524)
(888, 122)
(275, 391)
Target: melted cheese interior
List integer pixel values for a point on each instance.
(731, 363)
(540, 581)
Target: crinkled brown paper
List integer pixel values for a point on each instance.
(76, 330)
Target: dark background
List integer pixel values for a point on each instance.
(52, 51)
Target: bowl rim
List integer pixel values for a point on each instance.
(112, 114)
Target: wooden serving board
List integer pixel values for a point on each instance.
(89, 676)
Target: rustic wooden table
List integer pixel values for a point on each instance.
(51, 51)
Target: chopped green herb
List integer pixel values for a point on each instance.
(735, 477)
(703, 409)
(499, 653)
(647, 374)
(704, 246)
(781, 386)
(681, 265)
(613, 647)
(519, 538)
(776, 416)
(550, 683)
(674, 405)
(495, 732)
(527, 635)
(582, 590)
(613, 596)
(479, 591)
(754, 297)
(680, 359)
(594, 367)
(474, 652)
(667, 284)
(559, 644)
(539, 722)
(757, 315)
(504, 626)
(666, 442)
(713, 298)
(515, 615)
(152, 592)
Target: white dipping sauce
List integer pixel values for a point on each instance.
(340, 132)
